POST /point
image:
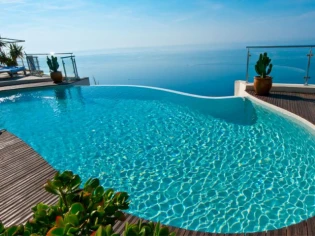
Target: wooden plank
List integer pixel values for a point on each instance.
(311, 226)
(214, 234)
(177, 231)
(193, 233)
(256, 234)
(299, 229)
(120, 225)
(278, 232)
(18, 163)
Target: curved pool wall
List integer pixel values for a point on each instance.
(215, 165)
(226, 108)
(285, 113)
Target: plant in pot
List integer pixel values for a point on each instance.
(53, 64)
(263, 82)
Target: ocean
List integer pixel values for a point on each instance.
(202, 71)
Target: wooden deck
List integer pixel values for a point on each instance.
(298, 103)
(22, 176)
(23, 173)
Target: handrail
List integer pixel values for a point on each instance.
(309, 55)
(8, 40)
(67, 57)
(283, 46)
(47, 54)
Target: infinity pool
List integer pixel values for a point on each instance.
(216, 165)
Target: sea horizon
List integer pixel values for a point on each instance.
(196, 69)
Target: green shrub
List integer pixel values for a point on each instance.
(91, 210)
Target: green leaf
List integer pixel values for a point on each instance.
(76, 182)
(164, 231)
(1, 227)
(41, 206)
(55, 232)
(76, 207)
(100, 231)
(73, 231)
(99, 191)
(57, 183)
(50, 188)
(105, 231)
(91, 184)
(59, 222)
(108, 230)
(40, 214)
(145, 230)
(108, 193)
(72, 219)
(11, 230)
(120, 215)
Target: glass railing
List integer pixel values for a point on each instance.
(36, 63)
(289, 62)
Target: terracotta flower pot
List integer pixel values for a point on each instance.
(262, 86)
(56, 76)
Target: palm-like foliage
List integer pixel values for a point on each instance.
(10, 58)
(2, 44)
(15, 51)
(3, 58)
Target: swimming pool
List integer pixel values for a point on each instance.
(216, 165)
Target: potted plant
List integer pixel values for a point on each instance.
(263, 82)
(53, 64)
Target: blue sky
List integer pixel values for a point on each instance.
(75, 25)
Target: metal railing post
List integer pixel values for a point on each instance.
(76, 69)
(22, 62)
(247, 64)
(64, 69)
(28, 64)
(307, 77)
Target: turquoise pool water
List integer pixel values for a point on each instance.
(216, 165)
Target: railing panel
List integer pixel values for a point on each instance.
(289, 62)
(67, 64)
